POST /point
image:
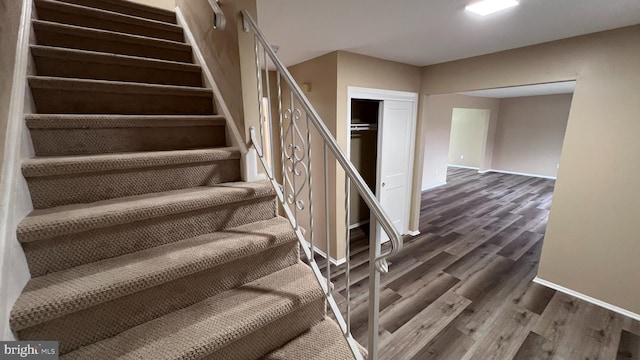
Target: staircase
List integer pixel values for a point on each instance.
(144, 242)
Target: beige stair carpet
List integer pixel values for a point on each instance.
(69, 134)
(144, 242)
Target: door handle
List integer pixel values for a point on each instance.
(383, 184)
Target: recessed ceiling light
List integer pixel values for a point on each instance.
(486, 7)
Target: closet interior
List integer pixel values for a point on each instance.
(363, 154)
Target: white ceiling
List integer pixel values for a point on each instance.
(424, 32)
(562, 87)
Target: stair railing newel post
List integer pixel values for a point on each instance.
(296, 163)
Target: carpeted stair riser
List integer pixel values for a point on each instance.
(51, 191)
(66, 251)
(129, 8)
(62, 135)
(323, 341)
(60, 142)
(63, 13)
(113, 317)
(58, 62)
(233, 318)
(274, 335)
(59, 96)
(74, 37)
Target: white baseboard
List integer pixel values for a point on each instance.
(463, 167)
(414, 232)
(484, 171)
(357, 225)
(518, 173)
(433, 186)
(587, 298)
(250, 171)
(324, 255)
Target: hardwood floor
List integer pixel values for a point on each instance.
(462, 289)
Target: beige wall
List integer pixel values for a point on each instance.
(530, 134)
(368, 72)
(468, 136)
(164, 4)
(435, 132)
(227, 54)
(321, 73)
(592, 242)
(9, 23)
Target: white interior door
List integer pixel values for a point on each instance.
(394, 154)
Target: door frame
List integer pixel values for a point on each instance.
(355, 92)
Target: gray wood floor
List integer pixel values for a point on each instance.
(462, 289)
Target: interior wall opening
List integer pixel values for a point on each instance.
(468, 139)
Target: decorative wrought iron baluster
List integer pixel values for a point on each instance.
(294, 158)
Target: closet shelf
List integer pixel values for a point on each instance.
(364, 127)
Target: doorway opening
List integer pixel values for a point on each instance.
(468, 139)
(381, 139)
(363, 145)
(491, 159)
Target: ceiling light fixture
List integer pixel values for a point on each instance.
(486, 7)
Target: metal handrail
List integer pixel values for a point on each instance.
(219, 20)
(394, 236)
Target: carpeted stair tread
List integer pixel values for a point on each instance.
(76, 63)
(60, 293)
(116, 87)
(80, 15)
(80, 164)
(98, 34)
(129, 8)
(78, 37)
(72, 219)
(207, 327)
(110, 121)
(321, 342)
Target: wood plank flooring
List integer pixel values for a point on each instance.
(462, 289)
